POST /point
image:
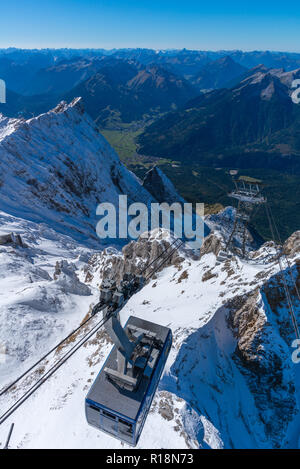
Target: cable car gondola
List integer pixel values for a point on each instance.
(120, 397)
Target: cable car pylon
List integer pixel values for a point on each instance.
(248, 192)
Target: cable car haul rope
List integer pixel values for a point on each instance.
(276, 236)
(111, 311)
(50, 372)
(248, 193)
(136, 362)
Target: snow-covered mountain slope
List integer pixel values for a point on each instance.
(229, 381)
(56, 168)
(41, 298)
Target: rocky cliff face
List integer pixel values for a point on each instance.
(231, 373)
(229, 381)
(134, 257)
(56, 168)
(263, 357)
(161, 187)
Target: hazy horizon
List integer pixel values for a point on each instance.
(170, 49)
(172, 24)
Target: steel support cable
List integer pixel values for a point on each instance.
(52, 370)
(289, 270)
(289, 300)
(44, 357)
(70, 352)
(5, 390)
(163, 261)
(269, 249)
(160, 255)
(291, 275)
(287, 293)
(285, 256)
(282, 270)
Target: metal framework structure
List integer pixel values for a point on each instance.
(120, 398)
(248, 193)
(129, 285)
(137, 352)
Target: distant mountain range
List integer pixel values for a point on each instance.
(126, 84)
(218, 74)
(215, 109)
(128, 91)
(253, 124)
(111, 89)
(14, 62)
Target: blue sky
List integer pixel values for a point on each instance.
(161, 24)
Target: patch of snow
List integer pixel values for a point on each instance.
(211, 403)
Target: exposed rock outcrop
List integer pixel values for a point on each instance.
(65, 276)
(160, 186)
(292, 244)
(56, 168)
(212, 243)
(263, 358)
(12, 238)
(134, 257)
